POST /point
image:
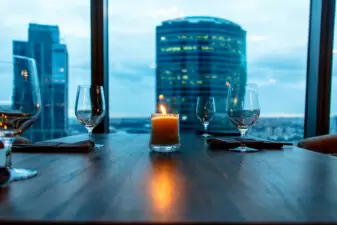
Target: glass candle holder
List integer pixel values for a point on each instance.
(164, 132)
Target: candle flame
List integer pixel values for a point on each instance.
(162, 109)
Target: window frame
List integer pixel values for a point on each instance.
(319, 62)
(319, 67)
(99, 18)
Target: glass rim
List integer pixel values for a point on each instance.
(28, 59)
(22, 57)
(89, 86)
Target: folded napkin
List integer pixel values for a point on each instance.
(228, 143)
(218, 133)
(55, 147)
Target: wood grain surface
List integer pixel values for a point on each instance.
(124, 181)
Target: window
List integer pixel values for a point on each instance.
(259, 41)
(333, 106)
(42, 30)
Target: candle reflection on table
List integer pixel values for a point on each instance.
(167, 189)
(162, 189)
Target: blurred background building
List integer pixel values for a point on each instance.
(51, 58)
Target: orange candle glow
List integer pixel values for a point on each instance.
(165, 128)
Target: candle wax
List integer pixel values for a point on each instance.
(165, 130)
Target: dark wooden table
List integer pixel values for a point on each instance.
(126, 182)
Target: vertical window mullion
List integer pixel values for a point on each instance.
(99, 54)
(320, 44)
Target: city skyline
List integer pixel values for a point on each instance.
(276, 46)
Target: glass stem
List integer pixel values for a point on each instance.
(6, 152)
(205, 125)
(243, 132)
(90, 134)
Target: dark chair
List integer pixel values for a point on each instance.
(324, 144)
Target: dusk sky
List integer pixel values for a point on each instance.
(277, 35)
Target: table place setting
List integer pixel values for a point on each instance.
(218, 144)
(25, 108)
(242, 108)
(243, 111)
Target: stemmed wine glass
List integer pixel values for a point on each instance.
(243, 109)
(19, 108)
(205, 111)
(90, 107)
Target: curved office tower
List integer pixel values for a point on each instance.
(198, 56)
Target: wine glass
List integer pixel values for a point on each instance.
(205, 111)
(90, 107)
(243, 109)
(19, 108)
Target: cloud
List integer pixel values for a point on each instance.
(288, 66)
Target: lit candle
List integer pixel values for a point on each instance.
(165, 131)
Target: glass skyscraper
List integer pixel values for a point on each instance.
(52, 65)
(198, 56)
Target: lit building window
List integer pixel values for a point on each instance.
(207, 76)
(183, 99)
(171, 49)
(235, 100)
(62, 70)
(161, 97)
(184, 70)
(205, 37)
(184, 117)
(183, 82)
(192, 82)
(24, 73)
(163, 38)
(178, 77)
(185, 77)
(189, 48)
(206, 48)
(214, 76)
(227, 83)
(199, 82)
